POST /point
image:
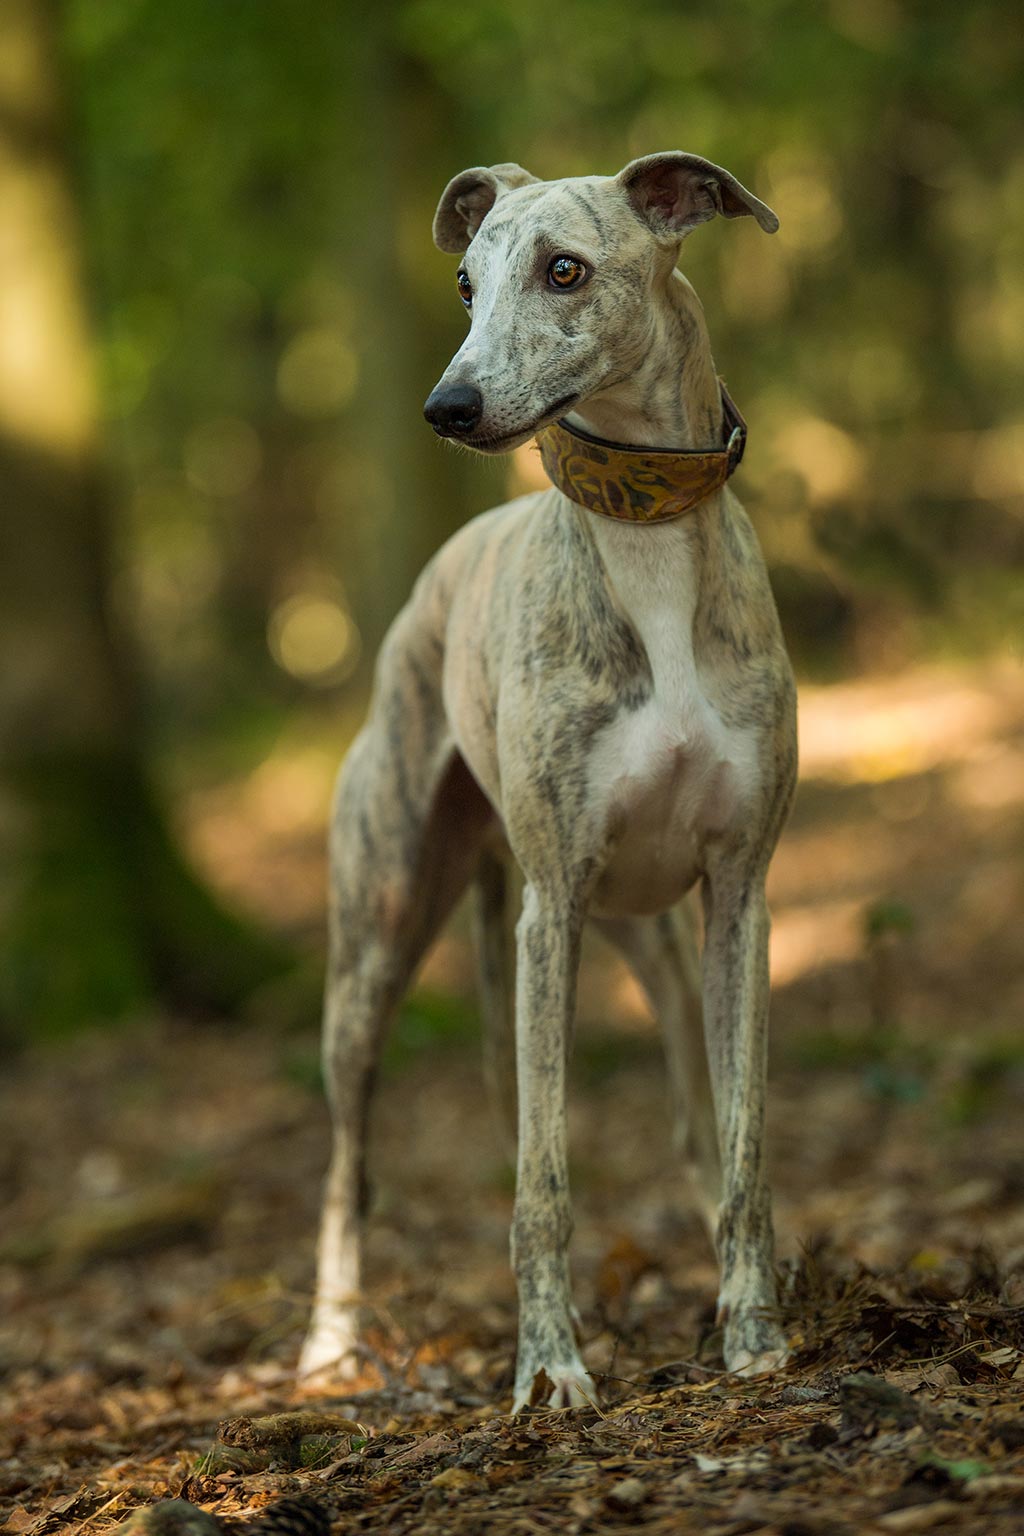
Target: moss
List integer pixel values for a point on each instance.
(318, 1450)
(103, 917)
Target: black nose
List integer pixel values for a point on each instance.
(453, 410)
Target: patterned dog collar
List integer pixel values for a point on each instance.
(639, 485)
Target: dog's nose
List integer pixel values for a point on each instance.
(453, 410)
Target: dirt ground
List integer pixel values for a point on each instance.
(159, 1188)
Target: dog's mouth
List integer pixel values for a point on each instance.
(489, 442)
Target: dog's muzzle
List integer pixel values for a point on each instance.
(454, 410)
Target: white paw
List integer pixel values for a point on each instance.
(331, 1351)
(566, 1386)
(754, 1343)
(765, 1363)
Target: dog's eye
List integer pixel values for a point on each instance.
(465, 289)
(566, 272)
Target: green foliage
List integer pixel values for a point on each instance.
(427, 1021)
(893, 1083)
(890, 1065)
(256, 186)
(888, 916)
(986, 1075)
(899, 1070)
(319, 1450)
(965, 1471)
(259, 184)
(600, 1054)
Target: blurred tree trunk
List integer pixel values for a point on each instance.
(98, 912)
(406, 493)
(273, 527)
(412, 492)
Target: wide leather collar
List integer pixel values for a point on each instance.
(639, 485)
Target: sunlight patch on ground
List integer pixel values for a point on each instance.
(899, 774)
(885, 728)
(805, 938)
(262, 839)
(992, 778)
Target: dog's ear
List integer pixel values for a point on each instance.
(468, 199)
(672, 193)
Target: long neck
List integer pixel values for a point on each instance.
(671, 400)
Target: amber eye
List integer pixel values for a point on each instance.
(566, 272)
(465, 289)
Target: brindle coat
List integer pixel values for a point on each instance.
(614, 705)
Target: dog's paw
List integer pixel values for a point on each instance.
(564, 1386)
(331, 1351)
(765, 1363)
(754, 1346)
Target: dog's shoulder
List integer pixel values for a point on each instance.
(488, 545)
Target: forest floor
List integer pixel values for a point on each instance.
(159, 1189)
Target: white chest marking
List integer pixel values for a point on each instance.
(663, 782)
(669, 774)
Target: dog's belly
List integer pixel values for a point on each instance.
(665, 787)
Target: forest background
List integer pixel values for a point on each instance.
(220, 312)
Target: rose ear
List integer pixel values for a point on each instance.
(468, 199)
(672, 193)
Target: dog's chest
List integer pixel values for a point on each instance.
(663, 780)
(665, 777)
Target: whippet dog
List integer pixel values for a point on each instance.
(591, 678)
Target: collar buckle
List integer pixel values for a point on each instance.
(735, 446)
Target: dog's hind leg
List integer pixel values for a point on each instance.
(405, 839)
(662, 953)
(494, 912)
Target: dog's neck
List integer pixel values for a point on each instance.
(671, 399)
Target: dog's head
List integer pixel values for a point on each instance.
(558, 278)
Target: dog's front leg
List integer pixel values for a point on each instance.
(548, 940)
(736, 1024)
